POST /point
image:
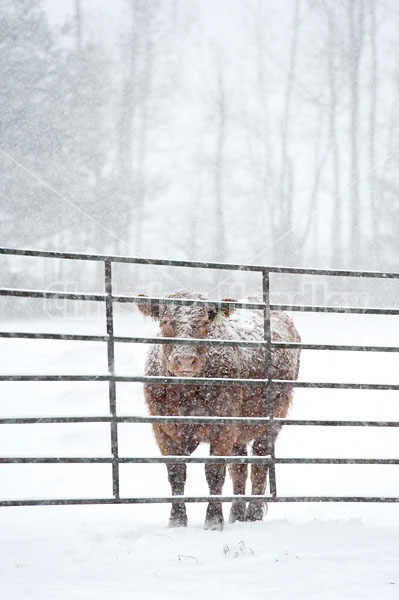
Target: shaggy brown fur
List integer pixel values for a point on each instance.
(199, 321)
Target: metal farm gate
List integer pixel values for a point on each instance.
(109, 299)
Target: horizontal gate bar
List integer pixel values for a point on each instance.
(53, 336)
(188, 302)
(192, 341)
(337, 461)
(58, 295)
(334, 309)
(279, 383)
(126, 299)
(195, 499)
(133, 340)
(196, 264)
(188, 420)
(197, 460)
(338, 347)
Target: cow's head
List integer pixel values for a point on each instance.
(177, 321)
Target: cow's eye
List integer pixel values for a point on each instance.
(167, 323)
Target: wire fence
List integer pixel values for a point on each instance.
(109, 299)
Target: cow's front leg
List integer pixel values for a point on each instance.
(216, 474)
(177, 479)
(176, 445)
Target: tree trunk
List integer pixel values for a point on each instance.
(270, 216)
(78, 21)
(126, 134)
(337, 241)
(219, 167)
(286, 168)
(374, 212)
(356, 23)
(140, 192)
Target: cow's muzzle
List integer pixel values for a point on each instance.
(185, 365)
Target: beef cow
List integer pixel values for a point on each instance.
(176, 439)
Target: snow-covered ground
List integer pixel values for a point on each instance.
(100, 552)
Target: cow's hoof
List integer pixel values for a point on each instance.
(178, 516)
(177, 523)
(214, 517)
(256, 511)
(237, 511)
(215, 523)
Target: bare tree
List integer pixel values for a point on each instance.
(264, 171)
(311, 232)
(337, 240)
(219, 165)
(125, 137)
(78, 21)
(140, 192)
(146, 97)
(286, 167)
(355, 10)
(374, 210)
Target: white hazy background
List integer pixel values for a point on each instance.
(247, 131)
(244, 131)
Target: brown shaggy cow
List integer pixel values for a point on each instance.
(201, 321)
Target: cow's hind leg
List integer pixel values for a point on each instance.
(215, 476)
(239, 474)
(215, 473)
(257, 508)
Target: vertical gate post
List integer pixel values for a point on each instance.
(269, 376)
(109, 311)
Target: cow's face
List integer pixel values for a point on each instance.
(185, 322)
(194, 321)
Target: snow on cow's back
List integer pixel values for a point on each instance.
(241, 324)
(248, 325)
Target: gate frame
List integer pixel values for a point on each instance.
(109, 298)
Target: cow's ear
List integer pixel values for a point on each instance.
(148, 309)
(223, 312)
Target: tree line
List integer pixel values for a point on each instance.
(275, 142)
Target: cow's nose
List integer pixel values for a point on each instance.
(186, 363)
